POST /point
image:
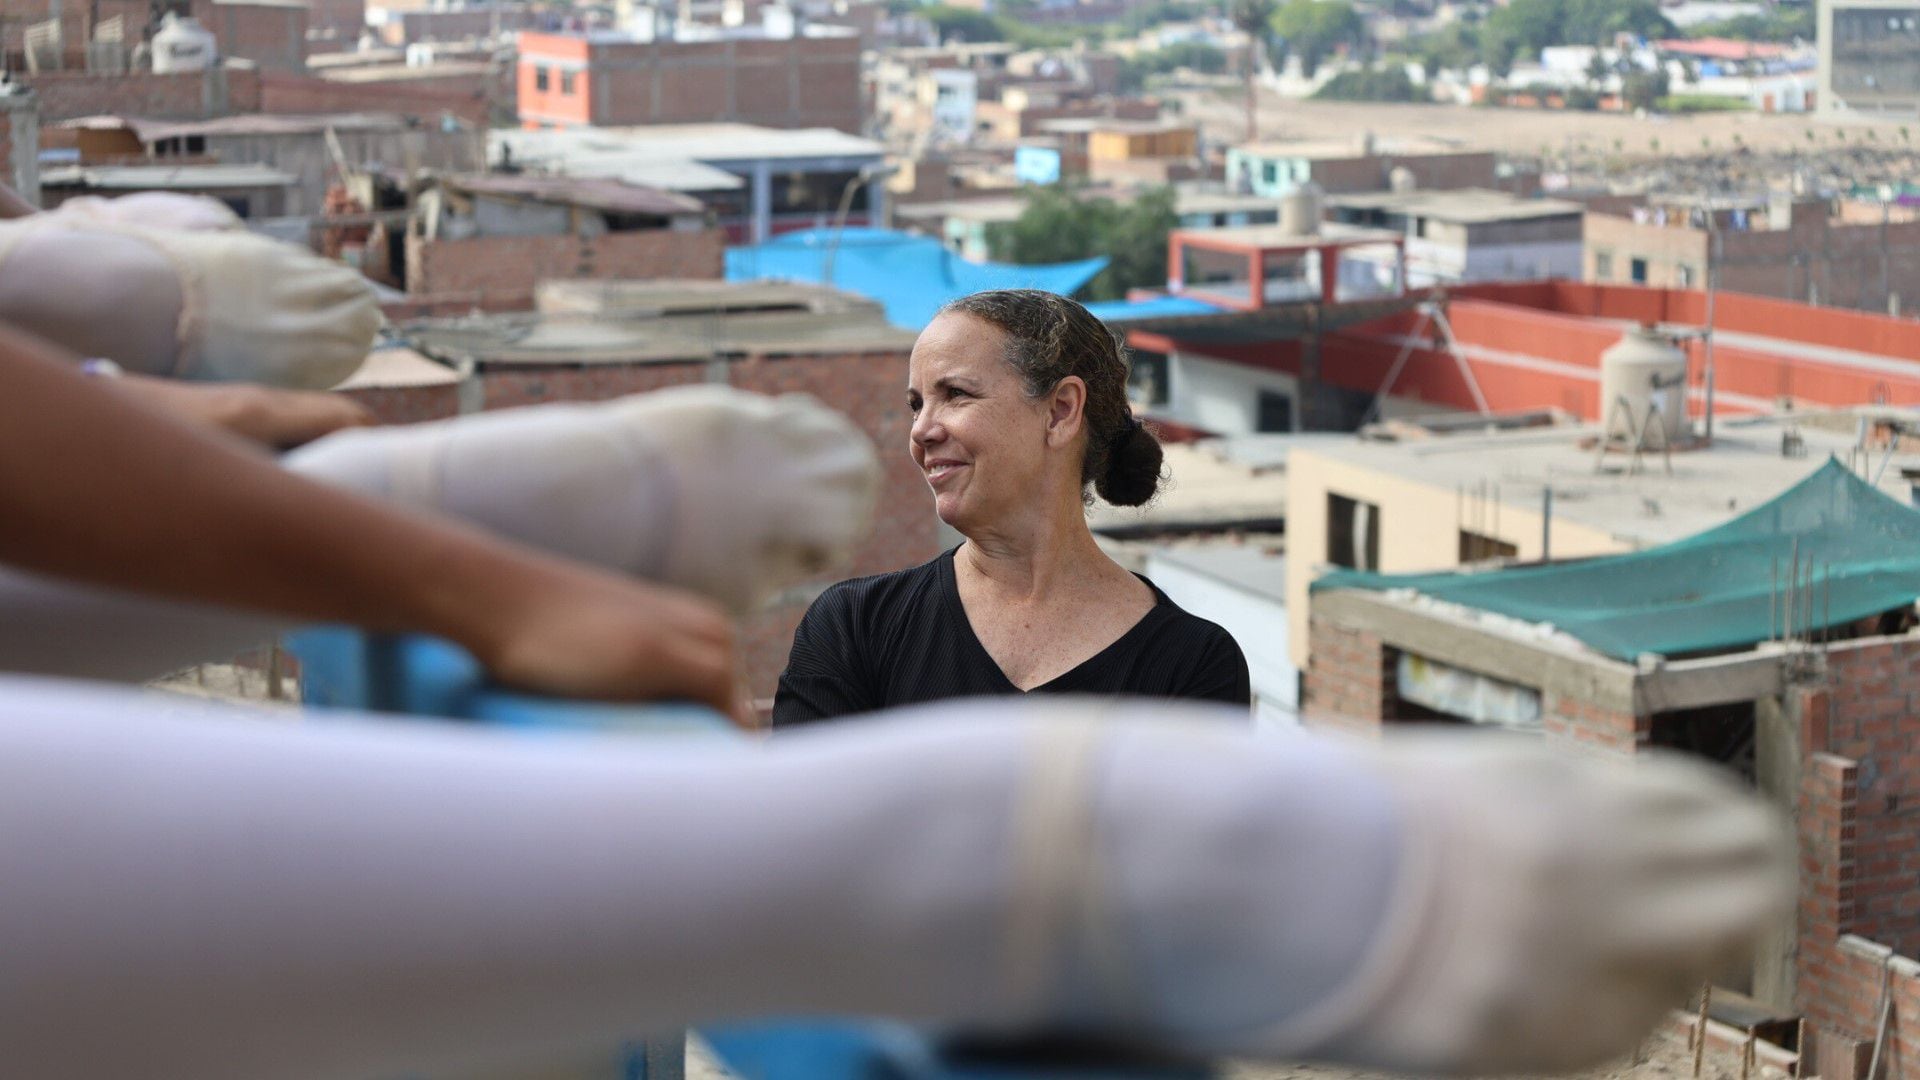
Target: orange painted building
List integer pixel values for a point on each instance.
(1537, 345)
(808, 79)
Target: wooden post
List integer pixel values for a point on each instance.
(1800, 1049)
(1700, 1028)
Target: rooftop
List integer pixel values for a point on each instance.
(379, 73)
(1206, 490)
(1352, 148)
(1255, 568)
(1088, 124)
(1465, 206)
(706, 143)
(398, 367)
(1743, 469)
(1280, 237)
(253, 124)
(165, 177)
(656, 323)
(611, 196)
(1008, 207)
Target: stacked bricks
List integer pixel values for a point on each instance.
(1350, 682)
(507, 268)
(1593, 725)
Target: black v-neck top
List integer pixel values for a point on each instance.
(903, 638)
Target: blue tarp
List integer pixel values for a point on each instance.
(911, 276)
(1160, 307)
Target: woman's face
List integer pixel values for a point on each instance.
(979, 440)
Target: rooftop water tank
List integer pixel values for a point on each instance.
(182, 44)
(1644, 374)
(1300, 210)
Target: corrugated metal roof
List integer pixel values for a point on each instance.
(596, 194)
(687, 142)
(665, 174)
(166, 177)
(252, 124)
(1465, 206)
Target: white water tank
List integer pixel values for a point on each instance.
(1300, 210)
(182, 44)
(1644, 374)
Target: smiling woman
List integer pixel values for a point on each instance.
(1020, 417)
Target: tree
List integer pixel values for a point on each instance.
(1252, 18)
(1313, 29)
(1597, 71)
(1525, 27)
(1059, 226)
(1383, 84)
(963, 24)
(1644, 89)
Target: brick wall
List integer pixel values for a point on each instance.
(865, 386)
(1815, 260)
(512, 265)
(1350, 681)
(796, 83)
(281, 92)
(184, 95)
(408, 404)
(1870, 714)
(273, 36)
(1592, 725)
(1859, 908)
(338, 20)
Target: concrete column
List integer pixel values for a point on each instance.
(762, 215)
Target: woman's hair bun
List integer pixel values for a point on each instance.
(1133, 471)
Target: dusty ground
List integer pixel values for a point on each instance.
(1662, 1058)
(1518, 131)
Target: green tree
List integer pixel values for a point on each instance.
(1058, 226)
(1525, 27)
(963, 24)
(1313, 29)
(1784, 23)
(1644, 89)
(1374, 84)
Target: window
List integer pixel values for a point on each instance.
(1603, 266)
(540, 78)
(566, 82)
(1684, 276)
(1353, 533)
(1274, 412)
(1475, 547)
(1637, 271)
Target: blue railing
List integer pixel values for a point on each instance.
(344, 668)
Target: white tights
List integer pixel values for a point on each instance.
(194, 892)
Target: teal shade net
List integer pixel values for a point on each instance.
(911, 276)
(1713, 591)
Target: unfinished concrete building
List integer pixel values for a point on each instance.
(1779, 644)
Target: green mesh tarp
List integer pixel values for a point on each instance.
(1712, 591)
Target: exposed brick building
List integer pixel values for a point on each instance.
(1827, 730)
(1791, 250)
(510, 266)
(766, 338)
(181, 95)
(271, 34)
(808, 79)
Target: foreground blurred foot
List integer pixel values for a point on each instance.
(730, 494)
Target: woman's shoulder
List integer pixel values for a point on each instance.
(874, 593)
(1204, 634)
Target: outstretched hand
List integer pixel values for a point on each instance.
(274, 418)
